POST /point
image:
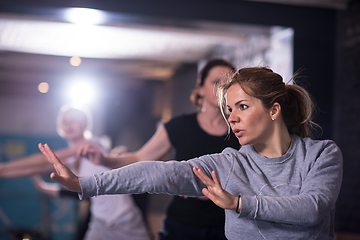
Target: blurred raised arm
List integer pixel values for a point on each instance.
(33, 164)
(52, 189)
(154, 149)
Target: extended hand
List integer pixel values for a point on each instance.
(215, 192)
(63, 176)
(91, 152)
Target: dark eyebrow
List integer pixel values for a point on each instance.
(239, 102)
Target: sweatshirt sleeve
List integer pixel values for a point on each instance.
(172, 177)
(316, 198)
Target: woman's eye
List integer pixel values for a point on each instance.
(243, 107)
(229, 110)
(216, 82)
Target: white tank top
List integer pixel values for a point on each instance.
(106, 207)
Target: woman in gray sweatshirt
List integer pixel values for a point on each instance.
(281, 184)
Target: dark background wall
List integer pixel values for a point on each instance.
(346, 115)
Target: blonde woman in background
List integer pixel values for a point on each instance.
(112, 217)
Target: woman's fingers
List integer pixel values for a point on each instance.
(42, 149)
(90, 152)
(202, 176)
(79, 152)
(213, 185)
(214, 190)
(207, 180)
(64, 176)
(82, 150)
(215, 178)
(50, 156)
(56, 177)
(208, 194)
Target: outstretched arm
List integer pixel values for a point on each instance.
(63, 174)
(158, 145)
(52, 189)
(216, 193)
(33, 164)
(17, 172)
(155, 177)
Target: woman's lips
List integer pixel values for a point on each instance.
(238, 132)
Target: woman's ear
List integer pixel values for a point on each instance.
(200, 91)
(275, 111)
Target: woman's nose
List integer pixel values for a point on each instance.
(232, 117)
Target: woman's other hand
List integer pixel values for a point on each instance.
(91, 152)
(215, 192)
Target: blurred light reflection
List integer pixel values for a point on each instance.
(81, 91)
(98, 41)
(85, 16)
(75, 61)
(43, 87)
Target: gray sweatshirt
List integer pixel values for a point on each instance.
(288, 197)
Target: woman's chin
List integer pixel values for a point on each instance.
(243, 141)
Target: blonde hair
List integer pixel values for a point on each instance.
(262, 83)
(81, 114)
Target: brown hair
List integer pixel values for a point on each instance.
(264, 84)
(195, 98)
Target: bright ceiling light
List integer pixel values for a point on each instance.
(81, 92)
(98, 41)
(85, 16)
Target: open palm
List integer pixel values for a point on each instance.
(63, 174)
(215, 192)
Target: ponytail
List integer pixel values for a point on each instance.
(297, 111)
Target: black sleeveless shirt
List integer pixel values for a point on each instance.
(190, 141)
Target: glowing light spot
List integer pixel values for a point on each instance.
(75, 61)
(43, 87)
(85, 16)
(82, 92)
(26, 237)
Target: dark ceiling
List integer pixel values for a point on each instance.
(160, 64)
